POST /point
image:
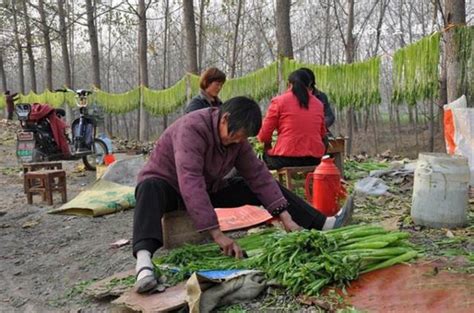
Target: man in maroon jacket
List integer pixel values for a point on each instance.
(189, 163)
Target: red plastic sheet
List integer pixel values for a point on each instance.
(418, 287)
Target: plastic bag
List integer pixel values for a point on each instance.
(449, 127)
(464, 136)
(372, 186)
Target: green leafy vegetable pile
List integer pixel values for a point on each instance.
(304, 261)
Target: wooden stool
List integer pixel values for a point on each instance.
(44, 182)
(286, 173)
(34, 166)
(178, 229)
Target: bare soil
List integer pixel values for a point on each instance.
(45, 257)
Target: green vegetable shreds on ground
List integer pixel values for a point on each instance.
(304, 261)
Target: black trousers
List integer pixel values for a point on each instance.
(155, 196)
(277, 162)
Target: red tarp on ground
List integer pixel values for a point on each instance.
(420, 287)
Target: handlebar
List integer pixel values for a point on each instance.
(78, 92)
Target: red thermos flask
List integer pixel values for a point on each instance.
(327, 188)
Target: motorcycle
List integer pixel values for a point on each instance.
(43, 136)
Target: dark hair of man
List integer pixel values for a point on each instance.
(300, 82)
(210, 75)
(312, 84)
(244, 113)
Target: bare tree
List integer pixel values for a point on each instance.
(166, 70)
(190, 30)
(63, 33)
(29, 47)
(21, 75)
(455, 16)
(202, 23)
(47, 45)
(236, 35)
(143, 60)
(92, 29)
(283, 29)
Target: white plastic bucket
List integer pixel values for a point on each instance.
(440, 191)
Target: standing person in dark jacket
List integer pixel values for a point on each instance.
(189, 162)
(10, 100)
(328, 113)
(211, 83)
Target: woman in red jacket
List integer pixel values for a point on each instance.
(298, 117)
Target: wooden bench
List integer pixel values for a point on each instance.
(34, 166)
(335, 149)
(45, 182)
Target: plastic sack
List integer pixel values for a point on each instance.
(464, 136)
(371, 186)
(449, 127)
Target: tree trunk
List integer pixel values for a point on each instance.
(21, 75)
(372, 111)
(236, 36)
(3, 76)
(47, 46)
(108, 116)
(63, 32)
(349, 50)
(190, 30)
(327, 32)
(29, 47)
(92, 29)
(202, 21)
(283, 29)
(142, 51)
(165, 56)
(431, 125)
(455, 14)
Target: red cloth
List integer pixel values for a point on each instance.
(58, 127)
(300, 131)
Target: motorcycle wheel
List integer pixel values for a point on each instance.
(97, 158)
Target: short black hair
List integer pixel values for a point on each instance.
(244, 113)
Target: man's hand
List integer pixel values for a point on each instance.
(229, 246)
(288, 222)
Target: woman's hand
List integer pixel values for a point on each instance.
(288, 222)
(228, 246)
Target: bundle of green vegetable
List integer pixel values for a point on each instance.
(303, 261)
(308, 260)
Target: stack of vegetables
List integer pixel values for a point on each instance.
(304, 261)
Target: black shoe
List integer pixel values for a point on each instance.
(344, 216)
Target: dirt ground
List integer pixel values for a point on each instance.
(42, 256)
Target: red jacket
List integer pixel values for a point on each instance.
(300, 131)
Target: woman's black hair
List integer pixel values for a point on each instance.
(300, 82)
(312, 84)
(244, 114)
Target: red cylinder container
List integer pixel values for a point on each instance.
(327, 188)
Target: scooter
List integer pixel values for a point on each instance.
(43, 136)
